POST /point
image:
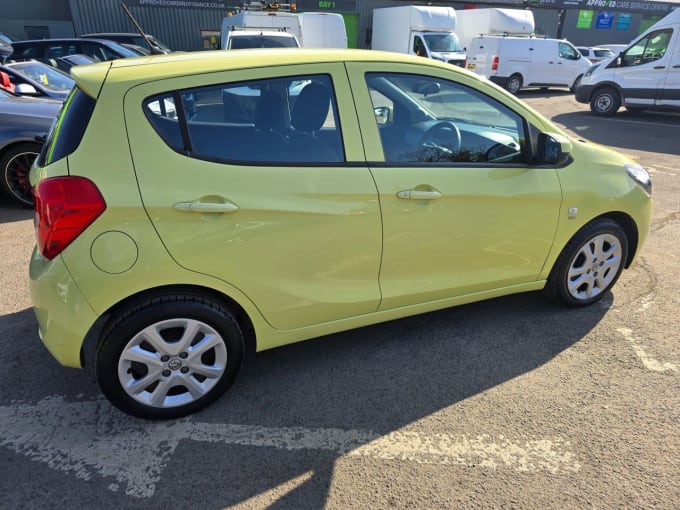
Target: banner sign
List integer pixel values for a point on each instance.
(233, 5)
(610, 5)
(623, 21)
(585, 19)
(605, 20)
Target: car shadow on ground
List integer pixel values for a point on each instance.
(382, 378)
(11, 211)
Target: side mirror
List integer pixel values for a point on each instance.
(383, 115)
(24, 89)
(426, 87)
(553, 149)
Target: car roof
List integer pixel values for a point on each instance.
(143, 68)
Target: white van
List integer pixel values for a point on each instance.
(322, 30)
(644, 76)
(516, 62)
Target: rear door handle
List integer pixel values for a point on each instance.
(414, 194)
(205, 207)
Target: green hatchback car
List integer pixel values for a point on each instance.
(192, 206)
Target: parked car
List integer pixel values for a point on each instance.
(25, 120)
(43, 80)
(66, 62)
(595, 53)
(50, 51)
(157, 47)
(292, 193)
(616, 48)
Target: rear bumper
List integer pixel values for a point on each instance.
(64, 316)
(501, 81)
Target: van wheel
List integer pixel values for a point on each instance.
(589, 264)
(605, 102)
(514, 83)
(577, 81)
(169, 356)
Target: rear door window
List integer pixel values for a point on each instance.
(284, 120)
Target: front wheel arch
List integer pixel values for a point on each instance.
(590, 263)
(605, 100)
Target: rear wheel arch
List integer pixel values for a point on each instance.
(127, 305)
(514, 83)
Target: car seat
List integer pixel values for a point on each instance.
(269, 119)
(308, 116)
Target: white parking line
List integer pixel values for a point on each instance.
(649, 362)
(89, 438)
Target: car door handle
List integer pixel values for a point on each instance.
(205, 207)
(415, 194)
(659, 67)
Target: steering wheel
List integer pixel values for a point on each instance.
(441, 141)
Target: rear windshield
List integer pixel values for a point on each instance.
(68, 128)
(243, 42)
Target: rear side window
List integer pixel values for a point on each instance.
(275, 120)
(68, 128)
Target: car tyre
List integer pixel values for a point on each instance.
(169, 356)
(514, 84)
(589, 265)
(605, 102)
(15, 165)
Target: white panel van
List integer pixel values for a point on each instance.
(516, 62)
(644, 76)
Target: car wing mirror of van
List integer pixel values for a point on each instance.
(553, 149)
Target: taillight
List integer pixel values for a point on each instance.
(494, 64)
(64, 208)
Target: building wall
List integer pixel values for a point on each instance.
(36, 18)
(180, 28)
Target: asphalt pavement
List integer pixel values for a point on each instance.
(509, 403)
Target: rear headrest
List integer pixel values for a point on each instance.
(311, 108)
